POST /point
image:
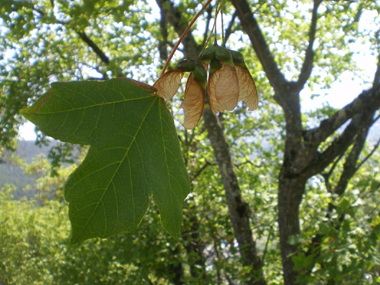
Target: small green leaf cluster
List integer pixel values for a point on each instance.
(148, 256)
(349, 234)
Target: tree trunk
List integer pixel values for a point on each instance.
(176, 269)
(290, 192)
(239, 210)
(193, 245)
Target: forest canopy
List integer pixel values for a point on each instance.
(186, 183)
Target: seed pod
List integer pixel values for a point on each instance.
(237, 58)
(200, 74)
(224, 56)
(186, 65)
(218, 52)
(215, 64)
(208, 54)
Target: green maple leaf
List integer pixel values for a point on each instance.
(134, 154)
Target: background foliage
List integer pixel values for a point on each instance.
(339, 240)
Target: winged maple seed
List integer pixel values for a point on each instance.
(193, 103)
(223, 89)
(168, 84)
(229, 82)
(247, 87)
(195, 94)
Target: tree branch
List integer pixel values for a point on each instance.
(207, 27)
(175, 268)
(350, 165)
(309, 56)
(94, 47)
(376, 80)
(174, 18)
(286, 94)
(201, 170)
(228, 31)
(326, 176)
(252, 29)
(368, 100)
(164, 33)
(349, 169)
(266, 244)
(370, 154)
(218, 275)
(82, 35)
(340, 144)
(193, 242)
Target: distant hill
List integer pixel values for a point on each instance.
(11, 173)
(27, 150)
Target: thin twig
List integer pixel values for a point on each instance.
(333, 167)
(217, 266)
(228, 31)
(326, 176)
(202, 168)
(376, 80)
(218, 9)
(208, 39)
(248, 162)
(266, 244)
(182, 37)
(229, 280)
(307, 65)
(221, 19)
(209, 17)
(369, 155)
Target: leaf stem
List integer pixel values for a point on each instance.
(211, 33)
(182, 36)
(218, 9)
(221, 19)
